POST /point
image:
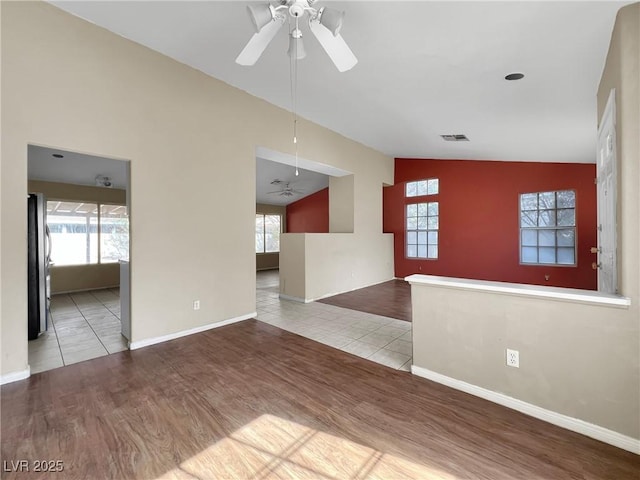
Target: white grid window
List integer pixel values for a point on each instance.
(422, 187)
(268, 228)
(422, 230)
(548, 228)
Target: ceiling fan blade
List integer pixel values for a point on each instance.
(258, 43)
(277, 191)
(337, 49)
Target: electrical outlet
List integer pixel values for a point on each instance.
(513, 358)
(196, 304)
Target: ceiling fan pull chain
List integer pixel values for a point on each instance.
(294, 94)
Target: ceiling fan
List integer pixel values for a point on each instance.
(286, 191)
(325, 24)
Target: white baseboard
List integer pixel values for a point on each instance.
(164, 338)
(322, 297)
(15, 376)
(294, 299)
(575, 425)
(85, 290)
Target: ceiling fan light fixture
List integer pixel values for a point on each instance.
(331, 19)
(296, 46)
(261, 15)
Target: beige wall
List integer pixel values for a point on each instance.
(78, 193)
(317, 265)
(71, 278)
(341, 205)
(579, 360)
(69, 84)
(269, 261)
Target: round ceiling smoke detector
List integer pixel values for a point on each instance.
(514, 76)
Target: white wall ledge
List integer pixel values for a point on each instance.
(517, 289)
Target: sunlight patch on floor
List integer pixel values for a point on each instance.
(272, 447)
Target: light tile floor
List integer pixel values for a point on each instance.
(84, 325)
(380, 339)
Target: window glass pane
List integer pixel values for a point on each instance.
(567, 217)
(432, 186)
(422, 187)
(259, 233)
(529, 201)
(433, 208)
(547, 238)
(422, 238)
(412, 251)
(432, 251)
(566, 238)
(422, 223)
(422, 251)
(566, 256)
(547, 255)
(529, 219)
(74, 232)
(272, 233)
(547, 218)
(529, 255)
(412, 238)
(412, 189)
(412, 210)
(432, 223)
(566, 199)
(422, 209)
(412, 223)
(432, 238)
(529, 238)
(114, 233)
(547, 200)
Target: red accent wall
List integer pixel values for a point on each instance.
(479, 215)
(309, 214)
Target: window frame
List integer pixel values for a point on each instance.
(264, 233)
(98, 216)
(554, 229)
(427, 182)
(426, 196)
(426, 230)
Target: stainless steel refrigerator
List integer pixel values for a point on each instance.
(39, 253)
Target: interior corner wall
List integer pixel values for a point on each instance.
(184, 133)
(309, 214)
(479, 219)
(622, 73)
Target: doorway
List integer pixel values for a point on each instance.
(85, 210)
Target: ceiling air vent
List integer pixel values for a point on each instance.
(458, 137)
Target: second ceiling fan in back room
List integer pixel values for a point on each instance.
(325, 24)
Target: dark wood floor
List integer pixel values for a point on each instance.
(390, 299)
(252, 401)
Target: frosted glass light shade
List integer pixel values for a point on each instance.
(296, 45)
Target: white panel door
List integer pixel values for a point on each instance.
(607, 191)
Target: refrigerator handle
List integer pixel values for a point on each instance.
(48, 234)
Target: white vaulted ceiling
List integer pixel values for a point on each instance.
(425, 69)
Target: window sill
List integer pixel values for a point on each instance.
(535, 291)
